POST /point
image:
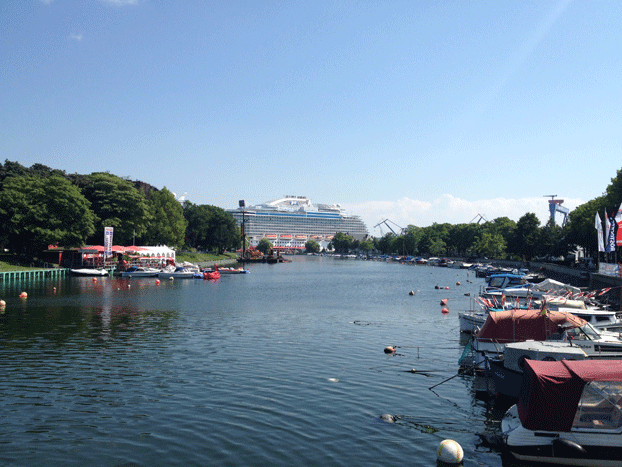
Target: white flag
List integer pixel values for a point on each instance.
(599, 228)
(607, 225)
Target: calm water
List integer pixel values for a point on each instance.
(284, 366)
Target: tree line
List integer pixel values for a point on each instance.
(501, 238)
(40, 206)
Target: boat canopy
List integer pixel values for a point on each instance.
(521, 325)
(552, 396)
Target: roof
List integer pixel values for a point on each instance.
(551, 390)
(521, 325)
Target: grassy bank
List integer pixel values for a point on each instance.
(8, 266)
(202, 258)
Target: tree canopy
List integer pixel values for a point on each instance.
(36, 212)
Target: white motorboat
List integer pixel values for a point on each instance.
(140, 271)
(88, 272)
(568, 413)
(177, 272)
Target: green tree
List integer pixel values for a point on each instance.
(342, 243)
(526, 237)
(490, 245)
(118, 204)
(210, 227)
(36, 212)
(264, 246)
(311, 246)
(167, 224)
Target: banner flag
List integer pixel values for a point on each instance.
(610, 242)
(599, 228)
(108, 232)
(619, 222)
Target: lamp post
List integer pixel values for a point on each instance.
(242, 204)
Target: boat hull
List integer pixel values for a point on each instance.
(89, 272)
(590, 449)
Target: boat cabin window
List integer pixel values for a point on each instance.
(600, 406)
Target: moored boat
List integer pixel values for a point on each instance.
(140, 271)
(88, 272)
(568, 413)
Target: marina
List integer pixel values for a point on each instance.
(281, 366)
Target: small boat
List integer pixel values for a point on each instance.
(568, 413)
(233, 271)
(140, 271)
(88, 272)
(506, 376)
(178, 272)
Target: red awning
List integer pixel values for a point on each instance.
(551, 390)
(521, 325)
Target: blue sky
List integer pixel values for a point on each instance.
(415, 111)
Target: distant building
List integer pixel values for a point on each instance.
(290, 221)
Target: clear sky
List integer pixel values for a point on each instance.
(413, 111)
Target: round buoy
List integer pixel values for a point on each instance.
(2, 303)
(445, 311)
(412, 292)
(389, 349)
(450, 452)
(447, 288)
(94, 279)
(23, 295)
(171, 278)
(436, 287)
(129, 285)
(458, 283)
(157, 281)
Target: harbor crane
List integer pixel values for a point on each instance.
(479, 218)
(555, 206)
(386, 222)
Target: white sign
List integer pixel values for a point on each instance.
(108, 231)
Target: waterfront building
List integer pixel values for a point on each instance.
(290, 221)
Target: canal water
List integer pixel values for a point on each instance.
(283, 366)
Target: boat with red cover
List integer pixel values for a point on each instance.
(568, 413)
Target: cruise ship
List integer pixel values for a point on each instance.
(290, 221)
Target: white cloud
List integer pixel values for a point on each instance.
(77, 37)
(46, 2)
(452, 210)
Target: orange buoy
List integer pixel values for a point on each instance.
(444, 311)
(157, 281)
(94, 279)
(447, 288)
(444, 301)
(23, 295)
(54, 289)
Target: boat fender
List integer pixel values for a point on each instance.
(563, 447)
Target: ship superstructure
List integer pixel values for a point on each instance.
(290, 221)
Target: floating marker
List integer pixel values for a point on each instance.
(412, 292)
(389, 349)
(445, 311)
(450, 452)
(23, 295)
(444, 301)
